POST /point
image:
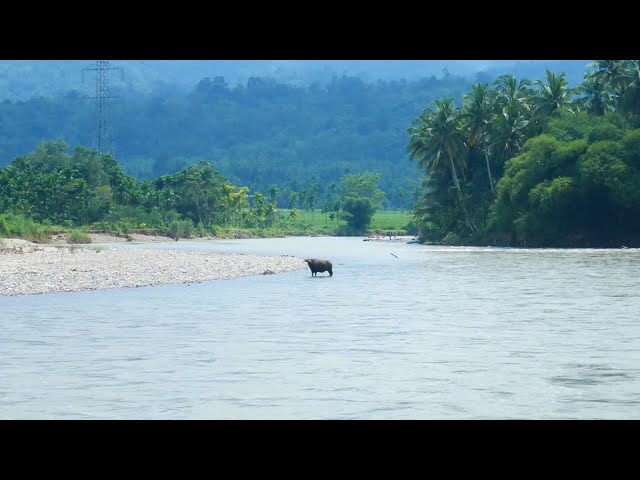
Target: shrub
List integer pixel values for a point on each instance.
(76, 236)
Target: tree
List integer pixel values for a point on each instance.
(609, 73)
(294, 215)
(273, 193)
(477, 113)
(362, 185)
(259, 210)
(510, 132)
(198, 193)
(293, 199)
(616, 76)
(50, 185)
(360, 198)
(236, 200)
(312, 195)
(401, 193)
(552, 95)
(358, 211)
(596, 97)
(437, 137)
(631, 95)
(513, 95)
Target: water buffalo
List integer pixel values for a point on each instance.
(316, 266)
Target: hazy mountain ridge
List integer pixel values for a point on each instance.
(24, 79)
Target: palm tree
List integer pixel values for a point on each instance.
(514, 107)
(513, 94)
(477, 113)
(611, 73)
(293, 198)
(552, 95)
(273, 193)
(631, 95)
(596, 98)
(608, 72)
(436, 135)
(510, 132)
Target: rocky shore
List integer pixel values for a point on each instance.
(27, 268)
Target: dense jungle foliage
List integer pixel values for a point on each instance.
(533, 163)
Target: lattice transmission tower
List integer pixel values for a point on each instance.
(102, 97)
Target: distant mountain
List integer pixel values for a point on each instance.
(23, 79)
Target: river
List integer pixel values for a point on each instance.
(400, 331)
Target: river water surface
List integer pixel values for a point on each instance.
(399, 332)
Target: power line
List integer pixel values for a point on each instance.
(102, 97)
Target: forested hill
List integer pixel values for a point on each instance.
(25, 79)
(259, 134)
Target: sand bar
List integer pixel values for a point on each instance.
(27, 268)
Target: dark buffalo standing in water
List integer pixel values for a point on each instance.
(316, 266)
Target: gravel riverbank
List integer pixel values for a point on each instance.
(27, 268)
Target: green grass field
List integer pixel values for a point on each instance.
(382, 220)
(390, 219)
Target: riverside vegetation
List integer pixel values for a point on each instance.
(534, 164)
(49, 192)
